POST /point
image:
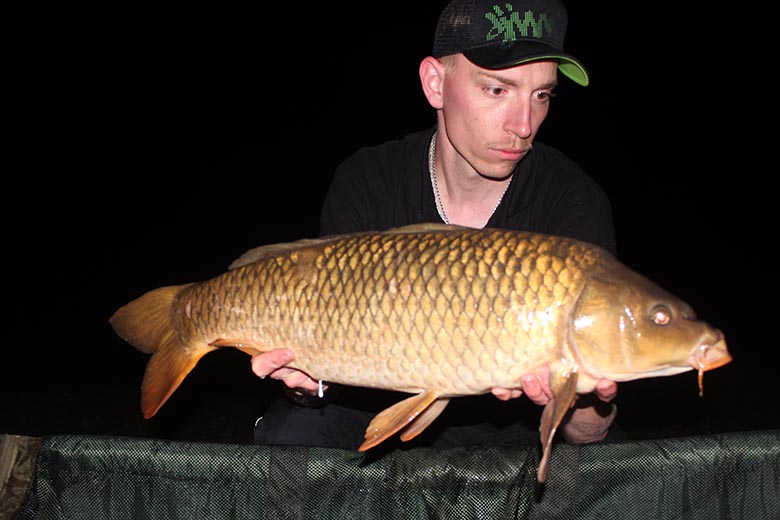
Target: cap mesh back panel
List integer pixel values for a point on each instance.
(454, 31)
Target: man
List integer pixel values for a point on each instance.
(490, 78)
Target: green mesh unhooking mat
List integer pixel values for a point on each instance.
(721, 476)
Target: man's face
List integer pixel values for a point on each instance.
(492, 116)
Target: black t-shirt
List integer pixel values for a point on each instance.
(389, 185)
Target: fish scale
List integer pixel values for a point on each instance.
(408, 299)
(436, 311)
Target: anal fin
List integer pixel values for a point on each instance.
(402, 415)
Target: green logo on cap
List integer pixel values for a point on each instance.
(508, 24)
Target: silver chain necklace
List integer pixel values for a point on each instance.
(432, 170)
(437, 196)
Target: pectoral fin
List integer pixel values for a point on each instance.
(416, 413)
(564, 387)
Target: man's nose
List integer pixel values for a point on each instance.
(518, 120)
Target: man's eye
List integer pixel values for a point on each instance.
(495, 91)
(545, 96)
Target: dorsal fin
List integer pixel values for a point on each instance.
(424, 226)
(260, 252)
(264, 251)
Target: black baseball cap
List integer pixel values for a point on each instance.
(496, 34)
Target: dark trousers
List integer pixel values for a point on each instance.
(470, 420)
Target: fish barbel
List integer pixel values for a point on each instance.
(433, 310)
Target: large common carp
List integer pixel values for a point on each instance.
(433, 310)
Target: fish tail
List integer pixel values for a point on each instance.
(146, 324)
(146, 321)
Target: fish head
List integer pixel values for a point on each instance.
(626, 327)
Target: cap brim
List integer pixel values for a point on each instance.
(503, 56)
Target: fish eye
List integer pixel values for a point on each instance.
(661, 314)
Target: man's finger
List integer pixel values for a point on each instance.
(265, 363)
(606, 390)
(533, 388)
(505, 394)
(296, 379)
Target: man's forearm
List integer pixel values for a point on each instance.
(589, 420)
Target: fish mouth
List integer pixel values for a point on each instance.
(709, 355)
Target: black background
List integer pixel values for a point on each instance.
(152, 148)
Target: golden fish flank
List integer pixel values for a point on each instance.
(433, 310)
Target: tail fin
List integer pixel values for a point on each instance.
(146, 324)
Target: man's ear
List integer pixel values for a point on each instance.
(432, 77)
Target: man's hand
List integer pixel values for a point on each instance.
(537, 388)
(590, 417)
(274, 363)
